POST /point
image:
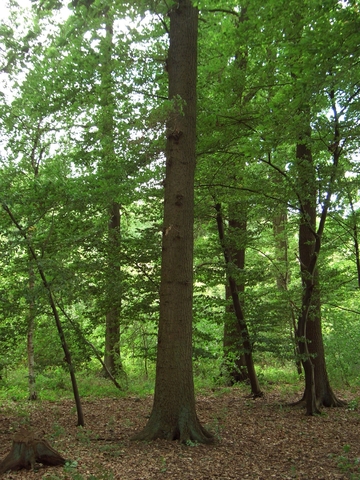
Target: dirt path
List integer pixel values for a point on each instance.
(259, 439)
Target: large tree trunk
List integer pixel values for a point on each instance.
(173, 414)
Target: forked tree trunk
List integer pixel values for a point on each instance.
(27, 450)
(317, 387)
(255, 387)
(173, 415)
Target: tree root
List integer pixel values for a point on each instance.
(327, 401)
(188, 432)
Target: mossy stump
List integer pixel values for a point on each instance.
(27, 450)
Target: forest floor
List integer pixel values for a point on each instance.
(255, 439)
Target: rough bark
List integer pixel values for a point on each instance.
(173, 415)
(27, 450)
(255, 387)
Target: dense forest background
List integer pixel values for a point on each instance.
(84, 108)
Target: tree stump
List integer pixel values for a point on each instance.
(28, 449)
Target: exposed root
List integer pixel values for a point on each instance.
(298, 404)
(327, 401)
(185, 432)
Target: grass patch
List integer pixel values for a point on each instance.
(53, 383)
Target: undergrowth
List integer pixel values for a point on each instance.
(54, 383)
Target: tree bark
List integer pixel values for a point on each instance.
(234, 358)
(283, 275)
(317, 386)
(355, 236)
(255, 387)
(235, 361)
(112, 357)
(30, 336)
(109, 162)
(35, 161)
(173, 415)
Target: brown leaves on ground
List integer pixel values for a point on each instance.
(255, 439)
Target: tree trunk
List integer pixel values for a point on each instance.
(28, 449)
(255, 387)
(355, 236)
(112, 357)
(235, 361)
(283, 274)
(108, 164)
(317, 387)
(35, 163)
(30, 336)
(234, 358)
(173, 415)
(55, 313)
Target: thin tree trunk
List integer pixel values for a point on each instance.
(112, 357)
(55, 313)
(35, 164)
(30, 336)
(283, 275)
(255, 387)
(109, 162)
(235, 360)
(173, 415)
(355, 235)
